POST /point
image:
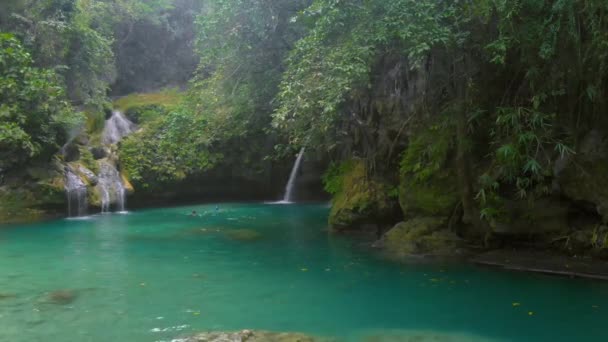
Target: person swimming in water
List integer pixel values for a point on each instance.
(194, 213)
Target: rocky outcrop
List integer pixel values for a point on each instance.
(422, 236)
(584, 176)
(541, 219)
(360, 201)
(427, 185)
(35, 194)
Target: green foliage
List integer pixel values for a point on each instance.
(427, 153)
(87, 159)
(168, 98)
(35, 117)
(333, 64)
(168, 149)
(333, 177)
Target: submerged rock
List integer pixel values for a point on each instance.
(4, 296)
(243, 234)
(61, 297)
(249, 336)
(422, 236)
(420, 336)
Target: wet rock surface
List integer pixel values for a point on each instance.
(249, 336)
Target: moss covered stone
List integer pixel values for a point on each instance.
(584, 177)
(422, 235)
(359, 200)
(428, 184)
(543, 218)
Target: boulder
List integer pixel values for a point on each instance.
(99, 152)
(422, 236)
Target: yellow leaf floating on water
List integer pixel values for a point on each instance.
(530, 313)
(304, 269)
(142, 284)
(516, 304)
(196, 313)
(434, 280)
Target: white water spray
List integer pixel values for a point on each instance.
(110, 187)
(76, 192)
(116, 128)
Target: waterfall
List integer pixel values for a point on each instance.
(108, 183)
(116, 128)
(76, 191)
(110, 187)
(287, 198)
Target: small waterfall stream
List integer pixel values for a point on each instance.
(110, 187)
(76, 192)
(288, 197)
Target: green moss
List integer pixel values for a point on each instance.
(94, 197)
(422, 235)
(24, 205)
(87, 159)
(95, 122)
(427, 181)
(358, 199)
(168, 98)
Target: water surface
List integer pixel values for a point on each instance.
(158, 274)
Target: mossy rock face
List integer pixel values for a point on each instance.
(437, 197)
(592, 240)
(22, 205)
(544, 218)
(126, 183)
(36, 194)
(422, 236)
(428, 183)
(584, 177)
(360, 201)
(94, 197)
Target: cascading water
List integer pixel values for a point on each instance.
(76, 191)
(110, 187)
(116, 128)
(288, 197)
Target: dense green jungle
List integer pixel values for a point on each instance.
(437, 129)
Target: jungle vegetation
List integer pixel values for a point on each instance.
(504, 89)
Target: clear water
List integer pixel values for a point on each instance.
(158, 274)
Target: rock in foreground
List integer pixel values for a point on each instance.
(249, 336)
